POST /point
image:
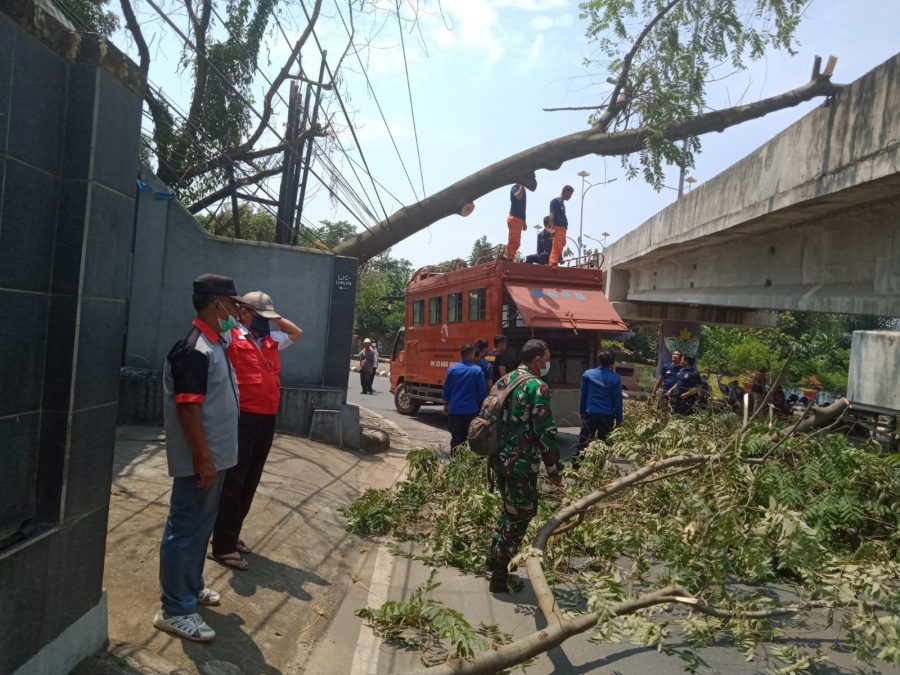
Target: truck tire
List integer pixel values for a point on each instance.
(402, 401)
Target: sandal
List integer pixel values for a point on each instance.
(229, 560)
(241, 547)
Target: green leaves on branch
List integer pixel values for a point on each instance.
(422, 621)
(669, 67)
(815, 524)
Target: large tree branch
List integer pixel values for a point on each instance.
(615, 104)
(221, 193)
(560, 627)
(282, 76)
(134, 28)
(244, 154)
(520, 168)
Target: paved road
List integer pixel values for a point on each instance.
(428, 427)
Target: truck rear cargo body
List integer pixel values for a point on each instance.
(563, 306)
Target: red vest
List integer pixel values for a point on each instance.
(258, 372)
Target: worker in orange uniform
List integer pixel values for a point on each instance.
(515, 221)
(254, 353)
(560, 223)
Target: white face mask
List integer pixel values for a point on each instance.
(545, 369)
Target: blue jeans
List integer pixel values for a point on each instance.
(182, 552)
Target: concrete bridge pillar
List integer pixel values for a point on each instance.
(683, 336)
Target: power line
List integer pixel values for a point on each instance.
(343, 107)
(347, 188)
(240, 96)
(412, 110)
(377, 103)
(204, 151)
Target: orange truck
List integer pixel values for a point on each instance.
(564, 306)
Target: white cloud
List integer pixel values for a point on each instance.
(532, 5)
(542, 22)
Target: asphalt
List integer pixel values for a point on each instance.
(294, 611)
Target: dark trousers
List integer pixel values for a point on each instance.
(594, 425)
(459, 427)
(366, 379)
(255, 434)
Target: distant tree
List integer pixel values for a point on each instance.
(482, 248)
(90, 14)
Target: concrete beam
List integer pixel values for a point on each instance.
(810, 221)
(707, 315)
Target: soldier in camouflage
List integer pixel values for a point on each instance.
(529, 438)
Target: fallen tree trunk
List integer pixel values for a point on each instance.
(822, 417)
(521, 167)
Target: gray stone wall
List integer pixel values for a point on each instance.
(69, 133)
(315, 289)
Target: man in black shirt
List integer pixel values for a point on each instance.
(499, 359)
(684, 394)
(544, 245)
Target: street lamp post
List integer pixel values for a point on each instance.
(584, 190)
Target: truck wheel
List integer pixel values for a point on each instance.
(403, 402)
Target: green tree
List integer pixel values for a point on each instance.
(482, 249)
(90, 14)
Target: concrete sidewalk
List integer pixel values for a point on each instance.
(302, 565)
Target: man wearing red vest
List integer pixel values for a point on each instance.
(254, 353)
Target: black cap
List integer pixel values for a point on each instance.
(216, 284)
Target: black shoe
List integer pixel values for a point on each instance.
(498, 583)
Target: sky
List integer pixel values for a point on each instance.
(480, 72)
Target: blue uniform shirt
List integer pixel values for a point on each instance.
(487, 368)
(601, 392)
(669, 374)
(687, 378)
(464, 388)
(517, 206)
(558, 209)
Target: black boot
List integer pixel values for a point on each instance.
(499, 582)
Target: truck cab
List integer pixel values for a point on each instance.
(564, 306)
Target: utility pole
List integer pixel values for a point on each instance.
(290, 171)
(309, 143)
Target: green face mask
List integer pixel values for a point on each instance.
(225, 325)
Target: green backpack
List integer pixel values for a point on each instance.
(484, 430)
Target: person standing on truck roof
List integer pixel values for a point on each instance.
(528, 438)
(560, 223)
(600, 405)
(668, 375)
(464, 390)
(480, 348)
(515, 221)
(500, 360)
(544, 245)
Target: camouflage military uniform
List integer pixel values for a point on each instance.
(529, 437)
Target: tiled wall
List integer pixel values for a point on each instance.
(69, 134)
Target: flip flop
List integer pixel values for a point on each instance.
(242, 547)
(230, 561)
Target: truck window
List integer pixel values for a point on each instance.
(399, 343)
(477, 304)
(435, 310)
(418, 311)
(454, 308)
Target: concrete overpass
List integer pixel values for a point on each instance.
(810, 221)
